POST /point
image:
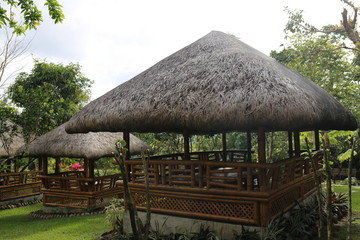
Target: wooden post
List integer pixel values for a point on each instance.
(297, 143)
(86, 167)
(261, 145)
(248, 140)
(290, 140)
(224, 147)
(317, 139)
(15, 165)
(126, 137)
(91, 168)
(186, 145)
(57, 164)
(44, 163)
(40, 164)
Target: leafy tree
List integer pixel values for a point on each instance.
(22, 15)
(321, 59)
(48, 96)
(329, 56)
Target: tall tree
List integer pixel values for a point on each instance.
(22, 15)
(13, 47)
(321, 59)
(48, 96)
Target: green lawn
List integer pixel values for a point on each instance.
(18, 224)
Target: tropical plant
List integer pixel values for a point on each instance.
(114, 214)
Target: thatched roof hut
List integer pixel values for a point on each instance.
(216, 84)
(17, 141)
(58, 143)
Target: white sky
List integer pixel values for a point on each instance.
(114, 40)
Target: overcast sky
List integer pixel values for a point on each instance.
(114, 40)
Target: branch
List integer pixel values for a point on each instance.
(349, 26)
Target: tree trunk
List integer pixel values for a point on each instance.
(349, 189)
(318, 189)
(328, 187)
(120, 159)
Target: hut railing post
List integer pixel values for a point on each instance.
(248, 140)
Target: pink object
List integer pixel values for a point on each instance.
(76, 167)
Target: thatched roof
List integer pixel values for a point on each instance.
(17, 141)
(58, 143)
(216, 84)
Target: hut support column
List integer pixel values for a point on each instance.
(297, 143)
(224, 147)
(261, 145)
(86, 167)
(91, 163)
(248, 140)
(44, 164)
(262, 157)
(317, 139)
(126, 137)
(186, 145)
(57, 164)
(290, 140)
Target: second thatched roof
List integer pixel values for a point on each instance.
(58, 143)
(15, 142)
(216, 84)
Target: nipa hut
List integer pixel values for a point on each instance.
(78, 189)
(219, 84)
(15, 184)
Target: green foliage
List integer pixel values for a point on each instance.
(246, 234)
(321, 59)
(346, 155)
(22, 15)
(49, 95)
(114, 214)
(354, 181)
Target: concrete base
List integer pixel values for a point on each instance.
(21, 200)
(166, 224)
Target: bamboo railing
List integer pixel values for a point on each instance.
(19, 184)
(71, 189)
(228, 191)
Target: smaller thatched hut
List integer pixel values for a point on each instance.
(15, 184)
(74, 187)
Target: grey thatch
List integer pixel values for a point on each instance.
(216, 84)
(58, 143)
(17, 141)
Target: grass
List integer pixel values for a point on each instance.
(18, 224)
(341, 230)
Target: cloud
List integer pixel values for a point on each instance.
(115, 40)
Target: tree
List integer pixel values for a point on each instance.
(48, 96)
(347, 29)
(321, 59)
(28, 14)
(13, 47)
